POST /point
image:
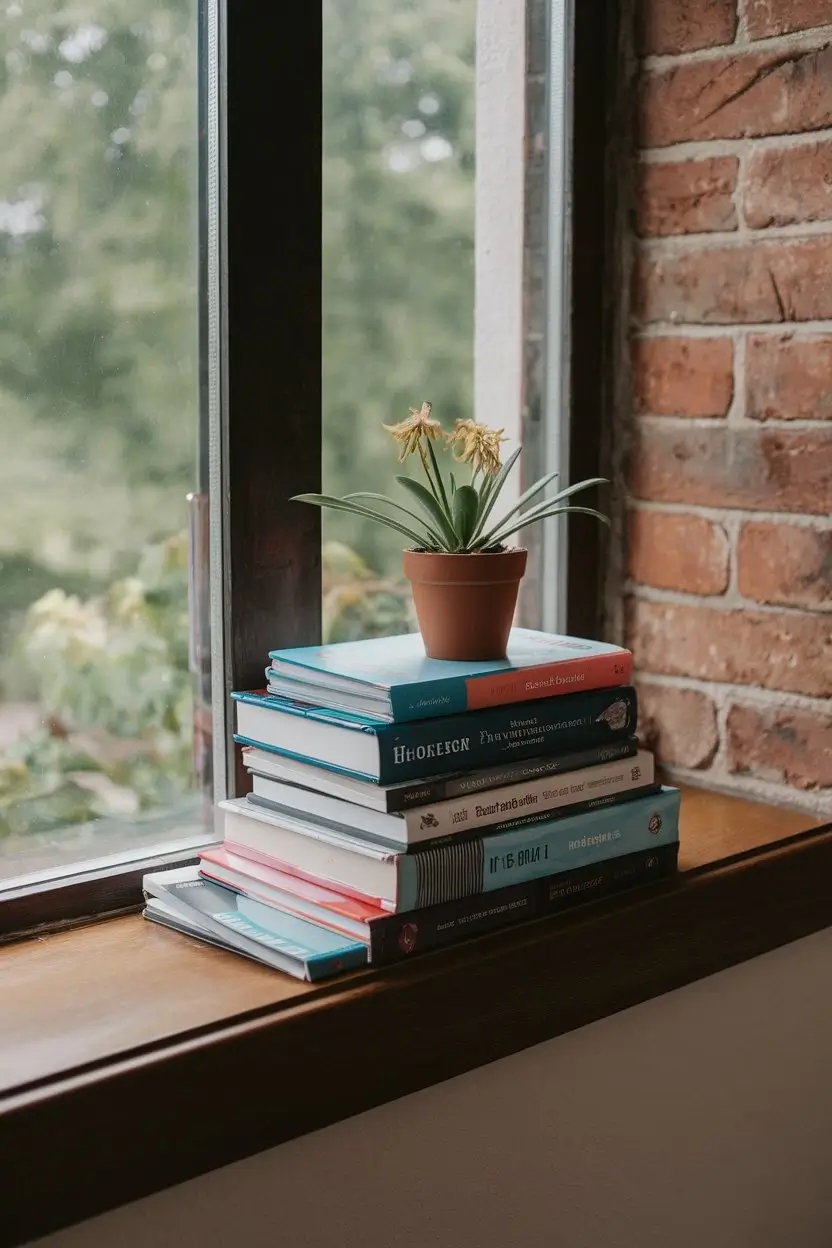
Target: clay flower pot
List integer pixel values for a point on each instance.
(465, 603)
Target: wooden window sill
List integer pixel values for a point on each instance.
(145, 1058)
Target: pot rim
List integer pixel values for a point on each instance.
(465, 554)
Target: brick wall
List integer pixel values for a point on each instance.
(729, 553)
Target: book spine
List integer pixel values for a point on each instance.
(421, 793)
(596, 671)
(396, 937)
(500, 734)
(531, 800)
(464, 866)
(454, 694)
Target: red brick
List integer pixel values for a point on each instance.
(683, 376)
(785, 564)
(781, 745)
(666, 26)
(679, 725)
(770, 469)
(686, 197)
(788, 378)
(737, 96)
(788, 185)
(736, 284)
(791, 652)
(673, 551)
(780, 17)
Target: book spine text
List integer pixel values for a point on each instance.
(463, 866)
(421, 793)
(502, 734)
(530, 800)
(400, 935)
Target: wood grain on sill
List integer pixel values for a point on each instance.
(83, 997)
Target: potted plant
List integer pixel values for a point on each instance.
(464, 577)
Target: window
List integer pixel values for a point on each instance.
(398, 267)
(231, 306)
(99, 386)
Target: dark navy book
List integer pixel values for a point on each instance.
(360, 746)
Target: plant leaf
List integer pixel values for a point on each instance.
(433, 509)
(524, 522)
(452, 480)
(382, 498)
(356, 509)
(442, 497)
(490, 491)
(527, 495)
(539, 508)
(466, 503)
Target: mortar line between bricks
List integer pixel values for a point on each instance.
(696, 149)
(720, 515)
(727, 602)
(755, 695)
(732, 526)
(738, 194)
(800, 40)
(699, 329)
(741, 33)
(737, 409)
(673, 244)
(669, 420)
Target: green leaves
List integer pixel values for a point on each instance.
(358, 509)
(465, 510)
(433, 508)
(454, 520)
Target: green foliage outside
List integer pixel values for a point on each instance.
(98, 359)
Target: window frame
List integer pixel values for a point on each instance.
(260, 357)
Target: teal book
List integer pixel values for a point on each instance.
(363, 747)
(182, 898)
(452, 867)
(392, 679)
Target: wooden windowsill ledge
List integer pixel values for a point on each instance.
(145, 1058)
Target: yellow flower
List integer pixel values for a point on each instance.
(477, 445)
(410, 433)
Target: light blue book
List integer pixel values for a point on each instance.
(226, 918)
(392, 679)
(451, 867)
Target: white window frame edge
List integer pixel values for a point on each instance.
(558, 336)
(499, 216)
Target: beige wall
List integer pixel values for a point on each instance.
(702, 1119)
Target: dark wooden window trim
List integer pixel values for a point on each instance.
(292, 1058)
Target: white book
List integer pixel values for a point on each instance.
(542, 797)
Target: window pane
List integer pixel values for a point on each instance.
(398, 251)
(98, 394)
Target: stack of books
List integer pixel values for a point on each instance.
(400, 804)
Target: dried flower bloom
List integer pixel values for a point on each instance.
(477, 445)
(411, 432)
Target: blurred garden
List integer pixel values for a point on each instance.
(99, 186)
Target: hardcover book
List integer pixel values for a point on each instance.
(392, 937)
(392, 753)
(391, 678)
(455, 867)
(391, 798)
(527, 802)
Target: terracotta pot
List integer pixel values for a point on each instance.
(465, 603)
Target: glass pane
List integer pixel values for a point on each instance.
(98, 411)
(398, 286)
